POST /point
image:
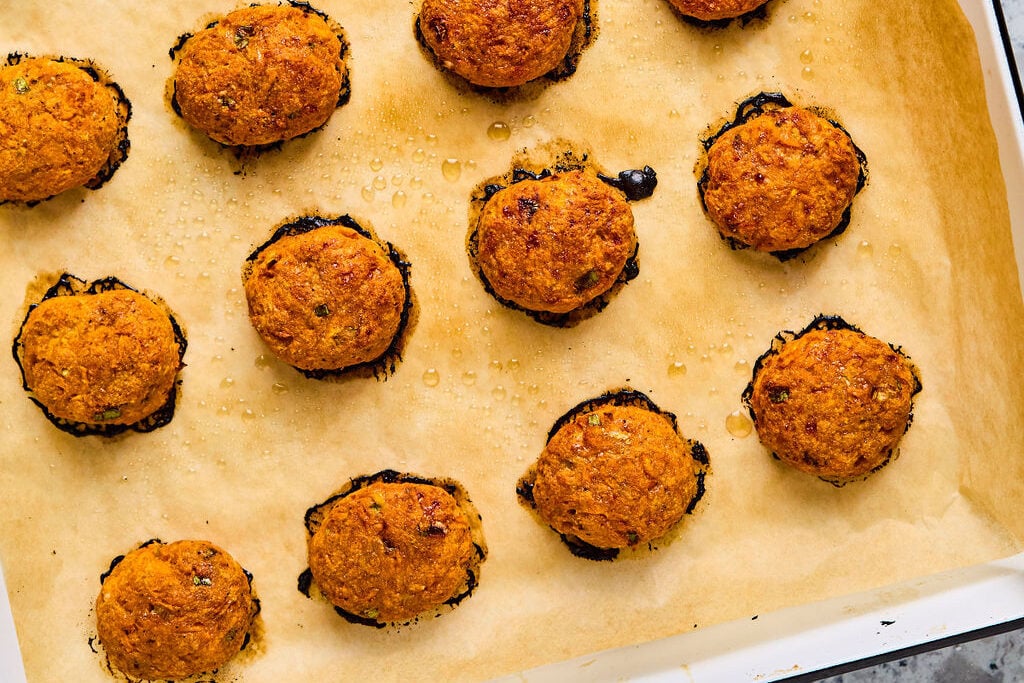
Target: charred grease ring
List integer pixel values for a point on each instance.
(634, 184)
(314, 516)
(751, 108)
(385, 364)
(621, 397)
(69, 285)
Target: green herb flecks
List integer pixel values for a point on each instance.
(322, 311)
(106, 415)
(21, 85)
(226, 102)
(778, 394)
(594, 419)
(242, 35)
(587, 280)
(632, 537)
(202, 581)
(371, 613)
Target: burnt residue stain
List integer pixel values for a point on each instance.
(634, 184)
(245, 154)
(584, 34)
(315, 515)
(618, 397)
(382, 367)
(122, 144)
(827, 322)
(755, 106)
(69, 285)
(757, 14)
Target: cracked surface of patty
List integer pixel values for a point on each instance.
(833, 403)
(325, 299)
(713, 10)
(781, 180)
(391, 551)
(615, 477)
(260, 75)
(58, 128)
(173, 610)
(106, 358)
(499, 44)
(555, 243)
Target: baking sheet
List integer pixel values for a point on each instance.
(254, 444)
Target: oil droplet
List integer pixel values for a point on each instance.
(451, 169)
(498, 393)
(469, 378)
(279, 388)
(499, 130)
(738, 424)
(807, 73)
(495, 364)
(416, 183)
(865, 249)
(248, 414)
(742, 366)
(398, 199)
(533, 389)
(431, 377)
(673, 114)
(806, 57)
(367, 193)
(529, 120)
(376, 164)
(172, 261)
(419, 155)
(516, 399)
(227, 383)
(513, 364)
(676, 369)
(432, 139)
(262, 361)
(809, 16)
(456, 352)
(895, 249)
(380, 182)
(717, 49)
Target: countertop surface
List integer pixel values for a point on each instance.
(996, 659)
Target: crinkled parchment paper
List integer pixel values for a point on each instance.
(926, 264)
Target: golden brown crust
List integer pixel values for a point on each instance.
(58, 128)
(782, 180)
(107, 358)
(499, 44)
(614, 477)
(833, 403)
(260, 75)
(325, 299)
(391, 551)
(713, 10)
(170, 611)
(556, 243)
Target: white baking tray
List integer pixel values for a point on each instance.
(811, 638)
(804, 641)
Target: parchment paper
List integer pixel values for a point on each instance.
(926, 264)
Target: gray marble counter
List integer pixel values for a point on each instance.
(997, 659)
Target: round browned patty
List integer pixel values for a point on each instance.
(713, 10)
(614, 477)
(174, 610)
(391, 551)
(781, 180)
(325, 299)
(260, 75)
(499, 44)
(106, 358)
(555, 243)
(833, 403)
(59, 127)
